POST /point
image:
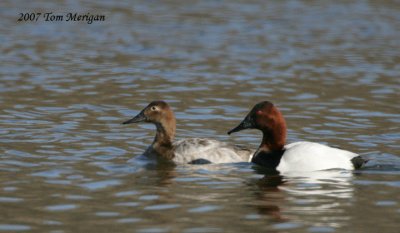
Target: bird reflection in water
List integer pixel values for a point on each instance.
(305, 197)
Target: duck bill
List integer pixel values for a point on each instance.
(245, 124)
(138, 118)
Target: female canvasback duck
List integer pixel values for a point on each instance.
(194, 150)
(294, 157)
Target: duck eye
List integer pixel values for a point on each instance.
(153, 108)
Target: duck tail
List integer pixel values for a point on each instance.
(358, 161)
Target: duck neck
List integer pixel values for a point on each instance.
(272, 145)
(273, 141)
(274, 132)
(163, 141)
(270, 152)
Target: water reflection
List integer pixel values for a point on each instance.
(268, 196)
(310, 195)
(330, 183)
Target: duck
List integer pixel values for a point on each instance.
(300, 156)
(184, 151)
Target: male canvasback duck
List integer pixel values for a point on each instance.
(294, 157)
(193, 150)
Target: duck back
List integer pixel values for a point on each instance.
(200, 149)
(310, 156)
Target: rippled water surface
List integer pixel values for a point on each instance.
(66, 163)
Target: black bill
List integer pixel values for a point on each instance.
(138, 118)
(247, 123)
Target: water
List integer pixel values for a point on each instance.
(66, 161)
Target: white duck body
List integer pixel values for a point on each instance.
(202, 150)
(310, 156)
